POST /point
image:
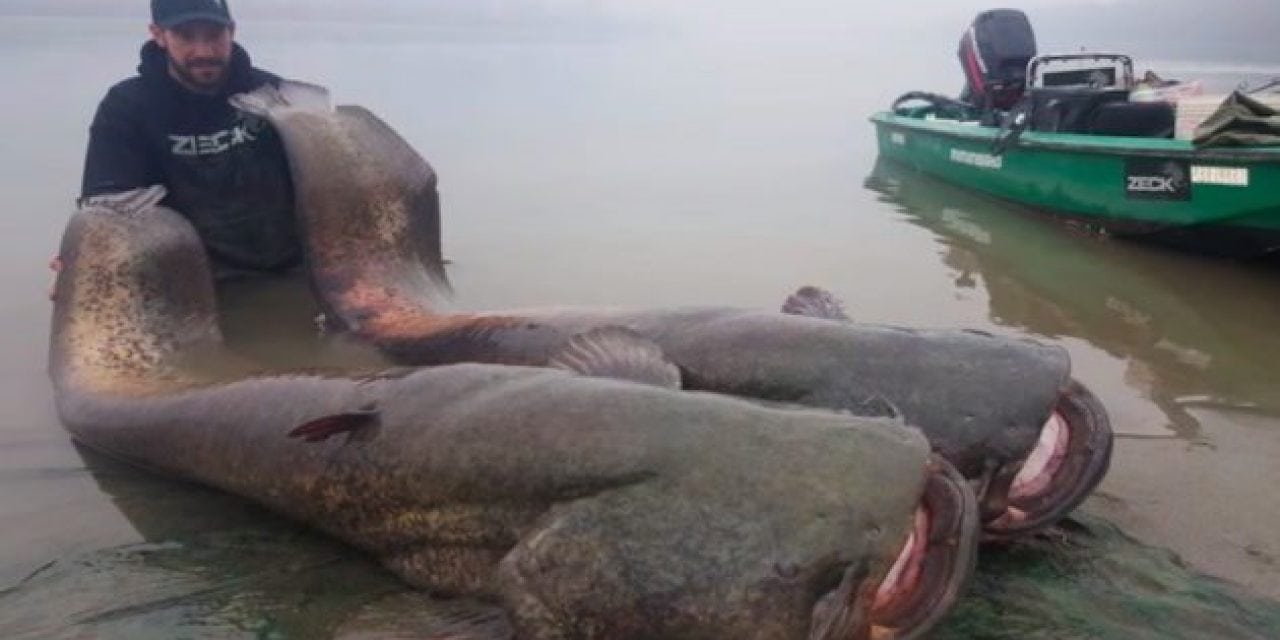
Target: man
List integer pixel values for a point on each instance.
(225, 171)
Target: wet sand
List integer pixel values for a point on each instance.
(1213, 501)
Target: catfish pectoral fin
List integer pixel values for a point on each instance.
(617, 352)
(815, 302)
(322, 429)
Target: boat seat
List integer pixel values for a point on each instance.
(1070, 109)
(1140, 119)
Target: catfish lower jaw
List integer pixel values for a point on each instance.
(936, 561)
(1070, 459)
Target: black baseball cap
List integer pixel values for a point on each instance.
(167, 14)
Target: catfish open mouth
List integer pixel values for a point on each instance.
(935, 562)
(1068, 462)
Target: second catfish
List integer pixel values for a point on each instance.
(1004, 411)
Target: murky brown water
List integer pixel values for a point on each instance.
(645, 172)
(1172, 343)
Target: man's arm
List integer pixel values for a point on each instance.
(117, 159)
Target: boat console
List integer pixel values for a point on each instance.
(1088, 93)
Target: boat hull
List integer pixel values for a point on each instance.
(1219, 201)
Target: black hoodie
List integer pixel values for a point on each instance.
(226, 171)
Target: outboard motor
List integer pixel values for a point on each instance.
(995, 52)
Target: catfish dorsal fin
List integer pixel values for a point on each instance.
(290, 94)
(617, 352)
(815, 302)
(358, 423)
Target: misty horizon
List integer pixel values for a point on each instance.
(1176, 28)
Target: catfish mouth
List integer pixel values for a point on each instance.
(906, 599)
(1067, 463)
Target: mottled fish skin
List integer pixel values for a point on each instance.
(586, 507)
(371, 218)
(978, 398)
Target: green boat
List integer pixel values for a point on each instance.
(1061, 134)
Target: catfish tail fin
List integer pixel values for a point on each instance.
(289, 94)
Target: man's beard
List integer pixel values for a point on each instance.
(188, 75)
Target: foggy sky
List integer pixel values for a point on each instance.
(1171, 25)
(704, 12)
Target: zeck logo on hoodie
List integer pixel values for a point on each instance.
(211, 143)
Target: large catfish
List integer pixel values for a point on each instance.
(1005, 412)
(587, 507)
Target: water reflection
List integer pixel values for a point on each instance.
(275, 324)
(1193, 332)
(1181, 349)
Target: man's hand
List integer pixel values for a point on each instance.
(56, 265)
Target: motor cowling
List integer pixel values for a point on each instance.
(994, 53)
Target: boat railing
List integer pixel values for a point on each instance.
(1096, 70)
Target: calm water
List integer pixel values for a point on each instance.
(655, 170)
